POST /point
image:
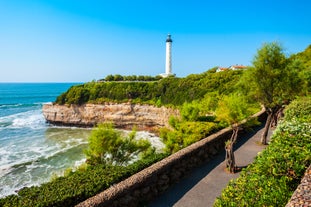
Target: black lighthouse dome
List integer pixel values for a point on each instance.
(168, 39)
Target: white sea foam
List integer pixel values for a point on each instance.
(79, 162)
(34, 165)
(152, 138)
(30, 119)
(5, 169)
(10, 105)
(155, 141)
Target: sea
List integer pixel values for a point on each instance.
(31, 150)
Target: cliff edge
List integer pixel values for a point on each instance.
(123, 115)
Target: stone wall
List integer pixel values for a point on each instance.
(302, 195)
(150, 182)
(123, 115)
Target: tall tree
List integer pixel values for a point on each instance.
(232, 109)
(275, 81)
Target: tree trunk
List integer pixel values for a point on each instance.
(266, 129)
(276, 115)
(274, 120)
(230, 159)
(235, 130)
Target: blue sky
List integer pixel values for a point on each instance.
(81, 41)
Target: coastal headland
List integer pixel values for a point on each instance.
(122, 115)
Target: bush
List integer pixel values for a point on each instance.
(299, 109)
(277, 171)
(109, 146)
(185, 133)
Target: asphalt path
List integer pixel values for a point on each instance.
(201, 187)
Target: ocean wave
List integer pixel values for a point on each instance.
(5, 169)
(25, 169)
(21, 105)
(29, 119)
(10, 105)
(11, 160)
(32, 121)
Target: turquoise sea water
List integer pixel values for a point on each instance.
(31, 150)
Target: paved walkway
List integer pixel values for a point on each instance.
(204, 184)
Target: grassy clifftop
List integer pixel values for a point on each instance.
(169, 91)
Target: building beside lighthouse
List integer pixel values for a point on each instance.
(168, 58)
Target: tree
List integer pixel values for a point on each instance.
(273, 81)
(232, 109)
(118, 77)
(109, 78)
(108, 146)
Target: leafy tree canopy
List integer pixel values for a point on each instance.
(109, 146)
(233, 109)
(274, 80)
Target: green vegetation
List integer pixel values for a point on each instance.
(168, 91)
(304, 59)
(273, 81)
(108, 155)
(108, 146)
(277, 171)
(232, 110)
(185, 133)
(208, 102)
(203, 117)
(299, 110)
(118, 77)
(77, 186)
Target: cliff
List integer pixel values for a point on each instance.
(124, 115)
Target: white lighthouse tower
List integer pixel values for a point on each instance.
(168, 60)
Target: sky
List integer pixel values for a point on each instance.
(81, 41)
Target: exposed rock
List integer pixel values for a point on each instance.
(123, 115)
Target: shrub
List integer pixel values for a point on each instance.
(109, 146)
(299, 109)
(185, 133)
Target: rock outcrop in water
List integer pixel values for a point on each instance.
(123, 115)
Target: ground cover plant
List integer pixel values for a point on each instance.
(277, 171)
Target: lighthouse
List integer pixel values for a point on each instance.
(168, 59)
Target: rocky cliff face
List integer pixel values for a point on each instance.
(124, 115)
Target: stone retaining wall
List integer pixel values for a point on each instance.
(150, 182)
(302, 195)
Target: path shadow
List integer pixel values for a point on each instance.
(178, 190)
